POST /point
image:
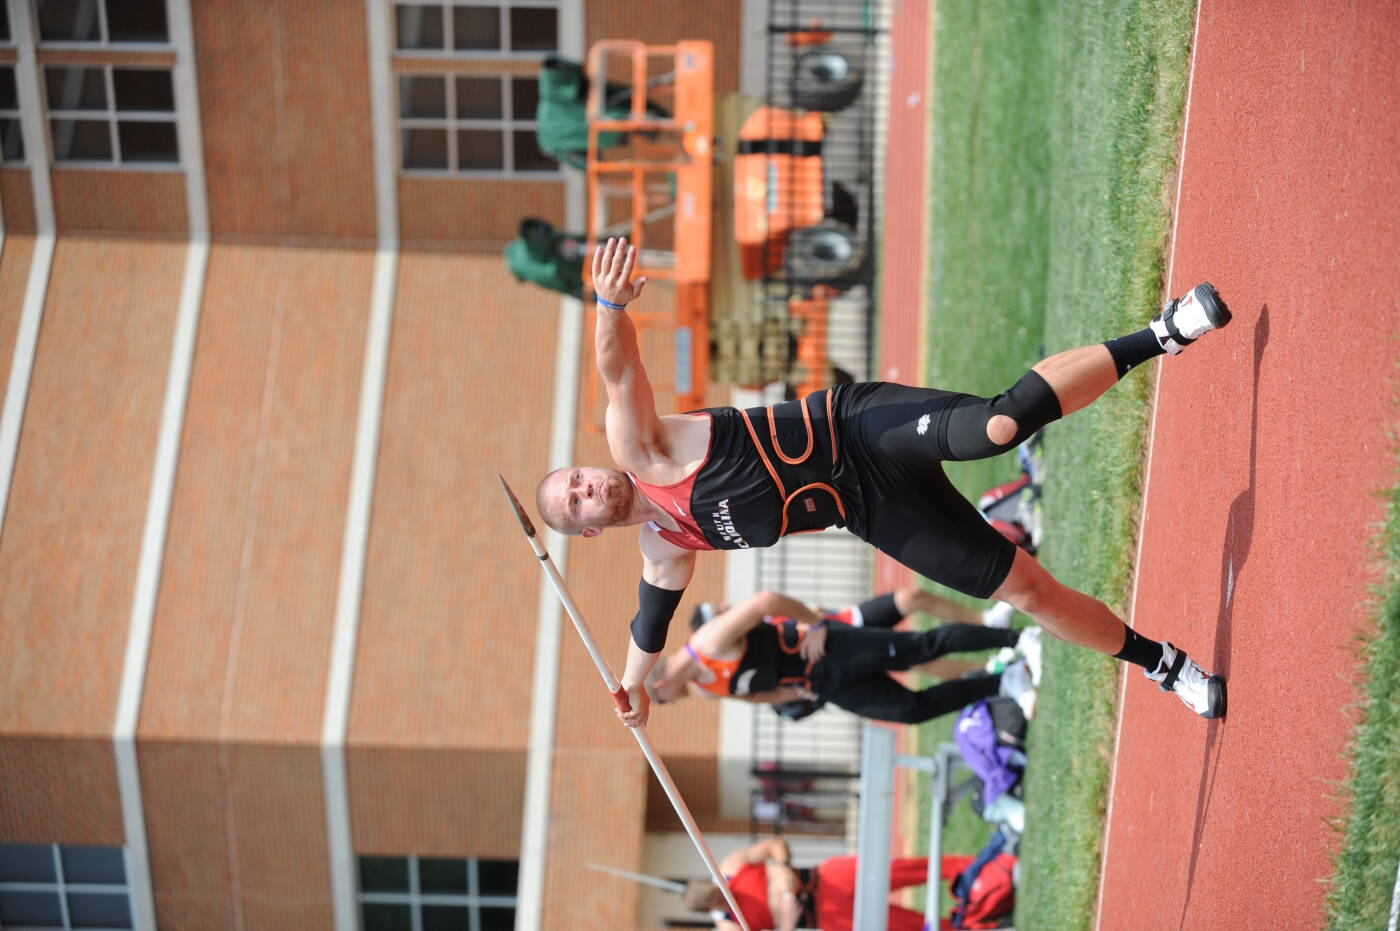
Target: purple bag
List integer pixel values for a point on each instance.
(976, 736)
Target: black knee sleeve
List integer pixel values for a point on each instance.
(1031, 402)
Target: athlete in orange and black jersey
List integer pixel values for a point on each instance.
(868, 456)
(771, 660)
(740, 654)
(769, 471)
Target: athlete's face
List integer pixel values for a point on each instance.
(591, 498)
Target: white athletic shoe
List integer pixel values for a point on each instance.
(998, 615)
(1028, 645)
(1016, 683)
(1202, 692)
(1000, 660)
(1184, 320)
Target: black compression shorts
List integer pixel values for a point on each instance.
(894, 440)
(879, 612)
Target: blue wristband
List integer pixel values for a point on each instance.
(609, 304)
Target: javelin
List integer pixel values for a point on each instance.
(669, 885)
(620, 698)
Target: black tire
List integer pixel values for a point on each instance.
(844, 206)
(826, 79)
(829, 253)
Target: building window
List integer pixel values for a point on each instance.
(109, 115)
(470, 124)
(529, 27)
(103, 22)
(5, 37)
(436, 894)
(11, 135)
(48, 886)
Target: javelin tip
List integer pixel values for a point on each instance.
(520, 514)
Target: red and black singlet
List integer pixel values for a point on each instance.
(769, 472)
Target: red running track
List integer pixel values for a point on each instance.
(1270, 444)
(902, 241)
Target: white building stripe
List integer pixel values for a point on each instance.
(1147, 475)
(36, 146)
(539, 760)
(336, 714)
(177, 384)
(544, 690)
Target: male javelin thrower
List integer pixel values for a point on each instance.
(867, 457)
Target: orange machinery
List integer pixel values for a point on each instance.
(665, 169)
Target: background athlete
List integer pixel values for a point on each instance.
(884, 611)
(770, 648)
(774, 894)
(863, 456)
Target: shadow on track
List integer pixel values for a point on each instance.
(1239, 535)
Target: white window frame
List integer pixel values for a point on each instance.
(15, 115)
(505, 53)
(415, 898)
(105, 41)
(112, 116)
(507, 124)
(62, 887)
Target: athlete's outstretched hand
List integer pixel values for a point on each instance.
(612, 272)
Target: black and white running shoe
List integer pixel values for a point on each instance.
(1183, 320)
(1202, 692)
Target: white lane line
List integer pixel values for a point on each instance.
(1147, 477)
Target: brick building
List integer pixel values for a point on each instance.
(273, 653)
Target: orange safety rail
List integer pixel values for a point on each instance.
(691, 164)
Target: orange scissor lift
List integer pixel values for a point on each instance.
(664, 171)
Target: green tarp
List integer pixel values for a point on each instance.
(550, 259)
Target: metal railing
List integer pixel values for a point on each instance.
(804, 773)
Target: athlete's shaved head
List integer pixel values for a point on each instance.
(582, 500)
(549, 502)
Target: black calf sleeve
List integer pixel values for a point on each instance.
(654, 609)
(1133, 349)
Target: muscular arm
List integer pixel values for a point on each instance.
(724, 632)
(636, 437)
(668, 567)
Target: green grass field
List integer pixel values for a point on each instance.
(1055, 131)
(1365, 876)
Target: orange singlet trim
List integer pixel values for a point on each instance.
(723, 670)
(830, 425)
(801, 634)
(773, 434)
(753, 435)
(840, 507)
